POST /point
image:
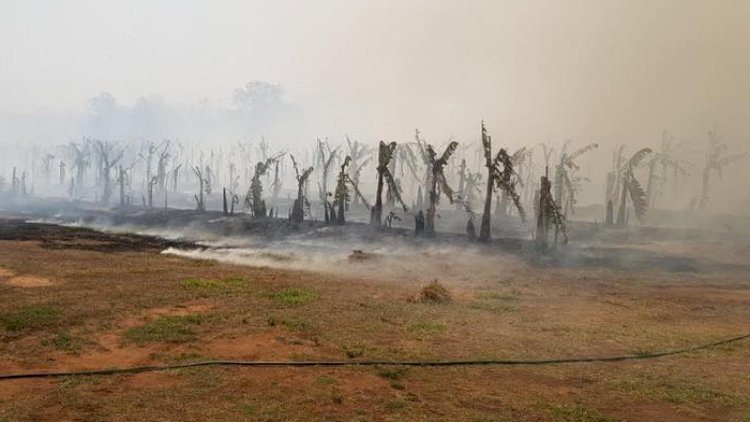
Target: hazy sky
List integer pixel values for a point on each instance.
(599, 70)
(531, 68)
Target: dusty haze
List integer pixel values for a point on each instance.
(611, 72)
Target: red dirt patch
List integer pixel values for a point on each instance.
(29, 281)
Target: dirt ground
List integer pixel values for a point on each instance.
(74, 298)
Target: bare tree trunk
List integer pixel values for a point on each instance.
(298, 208)
(340, 218)
(650, 191)
(226, 210)
(541, 223)
(121, 180)
(484, 230)
(621, 221)
(431, 210)
(704, 189)
(376, 214)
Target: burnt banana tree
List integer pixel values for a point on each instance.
(342, 195)
(385, 155)
(438, 183)
(500, 175)
(716, 160)
(360, 156)
(548, 217)
(325, 158)
(108, 159)
(254, 198)
(631, 188)
(664, 161)
(301, 203)
(567, 181)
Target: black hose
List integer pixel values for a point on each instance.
(136, 369)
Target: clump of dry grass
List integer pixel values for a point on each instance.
(434, 293)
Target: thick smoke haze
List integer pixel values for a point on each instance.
(611, 72)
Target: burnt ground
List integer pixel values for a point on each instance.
(76, 298)
(53, 236)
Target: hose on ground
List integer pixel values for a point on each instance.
(333, 363)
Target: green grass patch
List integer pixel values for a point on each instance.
(229, 283)
(31, 318)
(577, 413)
(201, 283)
(170, 329)
(203, 262)
(65, 342)
(354, 350)
(293, 295)
(393, 374)
(294, 324)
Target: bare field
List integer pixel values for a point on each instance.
(78, 299)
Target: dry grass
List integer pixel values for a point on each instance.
(434, 293)
(140, 307)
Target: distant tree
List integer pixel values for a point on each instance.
(661, 163)
(631, 187)
(325, 158)
(342, 195)
(385, 154)
(108, 156)
(203, 187)
(548, 215)
(258, 96)
(517, 160)
(716, 160)
(567, 182)
(254, 198)
(298, 209)
(81, 161)
(614, 176)
(360, 155)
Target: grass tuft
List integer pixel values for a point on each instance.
(354, 351)
(226, 284)
(31, 317)
(65, 342)
(294, 296)
(435, 293)
(394, 374)
(427, 327)
(202, 283)
(577, 413)
(170, 329)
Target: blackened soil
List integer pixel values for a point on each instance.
(53, 236)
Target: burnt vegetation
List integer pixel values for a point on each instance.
(531, 192)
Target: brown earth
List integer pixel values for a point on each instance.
(126, 304)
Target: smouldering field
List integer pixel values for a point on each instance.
(76, 299)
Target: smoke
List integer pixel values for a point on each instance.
(539, 71)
